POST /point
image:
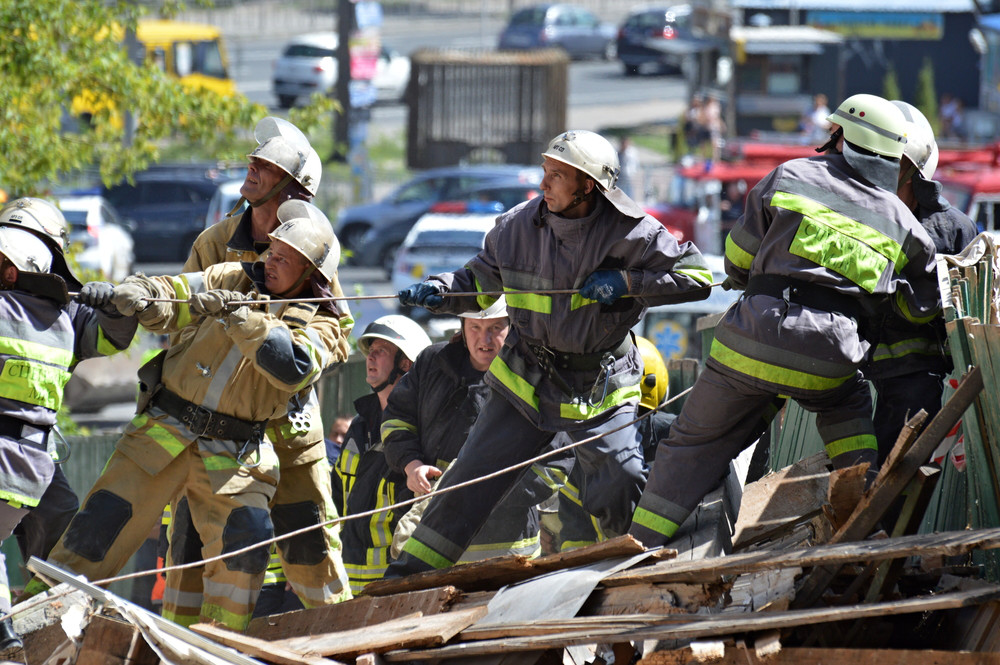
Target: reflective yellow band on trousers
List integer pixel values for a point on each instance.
(773, 373)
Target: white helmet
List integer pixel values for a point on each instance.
(873, 123)
(284, 145)
(46, 222)
(589, 152)
(401, 330)
(920, 148)
(495, 311)
(307, 230)
(25, 250)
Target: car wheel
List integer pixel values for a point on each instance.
(389, 258)
(611, 50)
(286, 101)
(631, 70)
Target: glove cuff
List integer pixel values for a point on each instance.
(633, 281)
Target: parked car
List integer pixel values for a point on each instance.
(168, 204)
(975, 190)
(225, 197)
(372, 232)
(657, 38)
(308, 64)
(439, 242)
(573, 29)
(102, 237)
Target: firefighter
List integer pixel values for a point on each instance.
(42, 337)
(200, 429)
(282, 167)
(428, 420)
(569, 363)
(910, 363)
(824, 244)
(390, 344)
(577, 527)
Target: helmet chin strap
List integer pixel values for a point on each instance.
(271, 194)
(579, 196)
(831, 144)
(294, 288)
(393, 375)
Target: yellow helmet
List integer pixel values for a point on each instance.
(655, 383)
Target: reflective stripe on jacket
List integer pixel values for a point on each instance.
(533, 249)
(817, 220)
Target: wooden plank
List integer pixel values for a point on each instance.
(878, 499)
(949, 543)
(816, 656)
(780, 499)
(406, 633)
(109, 641)
(704, 626)
(846, 487)
(500, 571)
(355, 613)
(253, 646)
(653, 599)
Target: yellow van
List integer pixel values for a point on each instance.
(191, 52)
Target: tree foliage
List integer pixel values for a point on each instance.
(55, 51)
(925, 97)
(890, 84)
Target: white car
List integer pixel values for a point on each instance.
(437, 243)
(308, 64)
(103, 240)
(225, 197)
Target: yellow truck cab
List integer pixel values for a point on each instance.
(191, 52)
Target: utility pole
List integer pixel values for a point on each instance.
(341, 124)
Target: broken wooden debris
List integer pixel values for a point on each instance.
(269, 651)
(816, 656)
(587, 630)
(494, 573)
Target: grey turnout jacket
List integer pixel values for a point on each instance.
(533, 249)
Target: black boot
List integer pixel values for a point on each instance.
(11, 646)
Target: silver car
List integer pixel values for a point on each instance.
(99, 236)
(308, 64)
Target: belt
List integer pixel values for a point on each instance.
(581, 362)
(24, 432)
(807, 294)
(205, 422)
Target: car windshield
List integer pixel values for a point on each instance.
(534, 16)
(307, 51)
(77, 219)
(450, 238)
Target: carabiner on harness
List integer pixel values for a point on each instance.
(57, 441)
(607, 362)
(249, 447)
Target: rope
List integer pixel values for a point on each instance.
(452, 294)
(401, 504)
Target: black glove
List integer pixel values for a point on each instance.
(98, 295)
(422, 294)
(605, 286)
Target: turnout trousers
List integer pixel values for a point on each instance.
(612, 466)
(721, 417)
(312, 562)
(900, 397)
(126, 502)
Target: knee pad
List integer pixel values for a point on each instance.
(306, 549)
(95, 528)
(244, 527)
(185, 543)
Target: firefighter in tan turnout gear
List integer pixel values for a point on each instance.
(569, 362)
(824, 245)
(283, 167)
(201, 430)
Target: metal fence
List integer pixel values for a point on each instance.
(484, 106)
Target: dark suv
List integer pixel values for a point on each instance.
(374, 231)
(168, 204)
(657, 37)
